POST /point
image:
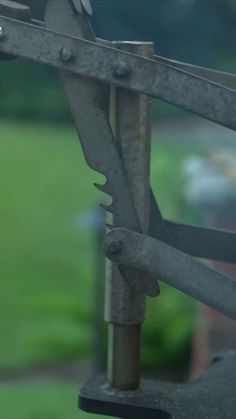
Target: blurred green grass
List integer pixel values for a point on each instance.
(46, 270)
(44, 400)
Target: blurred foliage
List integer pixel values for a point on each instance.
(31, 91)
(46, 272)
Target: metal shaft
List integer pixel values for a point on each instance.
(130, 118)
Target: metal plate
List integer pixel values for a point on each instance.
(212, 396)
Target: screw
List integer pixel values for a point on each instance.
(65, 54)
(2, 33)
(115, 247)
(122, 70)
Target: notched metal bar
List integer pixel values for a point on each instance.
(93, 60)
(173, 267)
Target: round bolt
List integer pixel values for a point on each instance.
(66, 54)
(115, 247)
(2, 33)
(122, 70)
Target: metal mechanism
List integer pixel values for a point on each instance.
(211, 396)
(99, 78)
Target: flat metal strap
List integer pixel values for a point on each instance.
(175, 268)
(201, 242)
(15, 10)
(173, 85)
(212, 396)
(220, 77)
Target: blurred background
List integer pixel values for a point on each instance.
(51, 270)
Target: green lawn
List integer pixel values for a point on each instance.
(46, 269)
(44, 400)
(46, 273)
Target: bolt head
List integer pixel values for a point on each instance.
(122, 70)
(2, 33)
(65, 54)
(115, 247)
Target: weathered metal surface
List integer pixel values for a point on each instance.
(87, 6)
(173, 267)
(12, 10)
(130, 118)
(15, 10)
(212, 396)
(157, 225)
(87, 66)
(99, 147)
(80, 5)
(196, 241)
(93, 127)
(93, 60)
(123, 364)
(77, 5)
(201, 242)
(220, 77)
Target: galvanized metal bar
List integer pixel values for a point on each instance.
(220, 77)
(93, 60)
(173, 267)
(125, 309)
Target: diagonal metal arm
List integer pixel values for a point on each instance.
(220, 77)
(88, 59)
(173, 267)
(201, 242)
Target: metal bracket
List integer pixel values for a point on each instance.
(212, 396)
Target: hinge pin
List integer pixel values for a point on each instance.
(115, 247)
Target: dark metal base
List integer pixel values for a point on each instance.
(212, 396)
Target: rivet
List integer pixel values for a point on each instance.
(66, 54)
(115, 247)
(122, 70)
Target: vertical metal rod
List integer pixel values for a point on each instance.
(130, 119)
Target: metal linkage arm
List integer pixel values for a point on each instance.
(201, 242)
(173, 267)
(89, 59)
(220, 77)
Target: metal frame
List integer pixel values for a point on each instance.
(88, 67)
